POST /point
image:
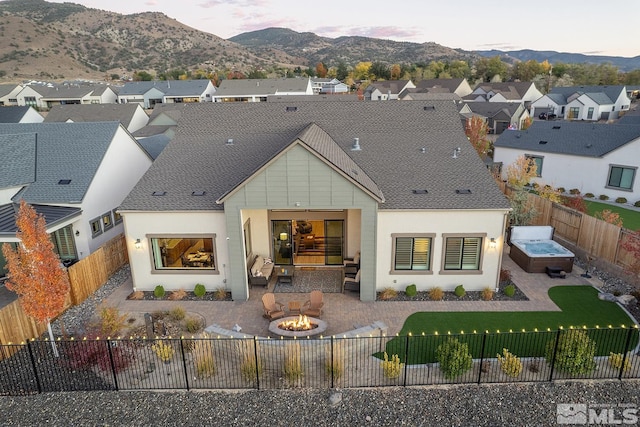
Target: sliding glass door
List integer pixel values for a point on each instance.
(282, 242)
(334, 235)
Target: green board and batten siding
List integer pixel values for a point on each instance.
(298, 176)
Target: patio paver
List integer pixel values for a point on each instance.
(345, 311)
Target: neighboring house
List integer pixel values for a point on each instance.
(71, 94)
(75, 174)
(161, 128)
(132, 116)
(386, 90)
(18, 114)
(257, 90)
(517, 92)
(590, 103)
(458, 86)
(594, 158)
(328, 86)
(499, 116)
(404, 187)
(9, 94)
(148, 94)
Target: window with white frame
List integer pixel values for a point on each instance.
(462, 252)
(183, 252)
(412, 253)
(621, 177)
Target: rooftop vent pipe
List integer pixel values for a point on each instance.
(356, 145)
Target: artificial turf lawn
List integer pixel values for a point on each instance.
(630, 218)
(579, 306)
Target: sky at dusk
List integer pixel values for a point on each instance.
(592, 27)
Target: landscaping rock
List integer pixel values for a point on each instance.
(626, 299)
(335, 398)
(606, 296)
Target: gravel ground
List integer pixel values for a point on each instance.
(472, 405)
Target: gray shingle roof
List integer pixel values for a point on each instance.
(52, 215)
(573, 138)
(245, 87)
(18, 154)
(391, 136)
(491, 109)
(122, 113)
(154, 144)
(449, 84)
(64, 151)
(611, 91)
(65, 92)
(168, 87)
(12, 114)
(6, 89)
(384, 86)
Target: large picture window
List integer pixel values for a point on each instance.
(621, 177)
(462, 253)
(412, 253)
(184, 252)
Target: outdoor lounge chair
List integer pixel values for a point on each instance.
(272, 308)
(350, 284)
(313, 306)
(352, 265)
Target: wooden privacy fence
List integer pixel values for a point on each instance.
(597, 238)
(88, 274)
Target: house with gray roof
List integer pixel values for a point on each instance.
(459, 86)
(9, 94)
(517, 92)
(310, 184)
(592, 157)
(150, 93)
(45, 97)
(75, 174)
(17, 114)
(257, 90)
(132, 116)
(385, 90)
(591, 103)
(499, 116)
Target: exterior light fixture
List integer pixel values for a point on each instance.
(493, 243)
(138, 244)
(284, 236)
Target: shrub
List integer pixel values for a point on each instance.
(199, 290)
(158, 292)
(637, 204)
(192, 324)
(510, 363)
(391, 368)
(505, 275)
(203, 354)
(177, 295)
(459, 291)
(485, 367)
(561, 190)
(177, 313)
(621, 200)
(163, 351)
(292, 363)
(603, 197)
(411, 290)
(220, 293)
(334, 364)
(615, 360)
(388, 293)
(250, 367)
(111, 321)
(534, 366)
(589, 195)
(574, 191)
(454, 358)
(436, 293)
(94, 352)
(487, 294)
(137, 295)
(509, 290)
(575, 352)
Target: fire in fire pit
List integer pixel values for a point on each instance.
(300, 323)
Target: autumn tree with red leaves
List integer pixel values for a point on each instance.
(321, 70)
(477, 130)
(631, 244)
(34, 270)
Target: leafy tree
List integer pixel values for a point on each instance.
(527, 123)
(527, 70)
(459, 69)
(520, 172)
(362, 71)
(396, 72)
(35, 271)
(608, 216)
(575, 202)
(380, 71)
(476, 129)
(488, 68)
(321, 70)
(142, 76)
(342, 71)
(437, 67)
(632, 78)
(550, 193)
(631, 244)
(257, 74)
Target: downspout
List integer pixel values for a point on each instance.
(501, 249)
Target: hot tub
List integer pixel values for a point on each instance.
(533, 249)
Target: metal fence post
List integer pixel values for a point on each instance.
(113, 365)
(624, 354)
(332, 365)
(184, 363)
(35, 369)
(255, 352)
(406, 359)
(553, 355)
(484, 340)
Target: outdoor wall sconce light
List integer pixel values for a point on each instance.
(77, 233)
(493, 243)
(138, 244)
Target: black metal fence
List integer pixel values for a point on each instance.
(258, 363)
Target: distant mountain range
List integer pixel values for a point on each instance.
(57, 41)
(624, 64)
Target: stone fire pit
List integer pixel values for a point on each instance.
(320, 327)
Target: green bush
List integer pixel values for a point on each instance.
(574, 191)
(561, 190)
(575, 352)
(192, 324)
(459, 291)
(509, 290)
(510, 363)
(621, 200)
(637, 204)
(159, 291)
(603, 197)
(454, 358)
(411, 290)
(177, 313)
(199, 290)
(589, 195)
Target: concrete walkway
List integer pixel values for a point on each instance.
(344, 311)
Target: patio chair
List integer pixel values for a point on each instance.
(272, 308)
(350, 284)
(352, 265)
(313, 306)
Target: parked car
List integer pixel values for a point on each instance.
(547, 116)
